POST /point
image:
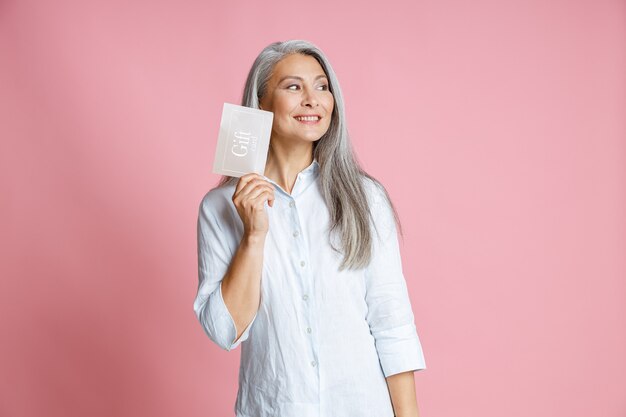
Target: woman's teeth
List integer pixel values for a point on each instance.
(308, 119)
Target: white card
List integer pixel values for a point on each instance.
(243, 141)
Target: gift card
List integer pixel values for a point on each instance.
(243, 141)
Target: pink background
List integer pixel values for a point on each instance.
(497, 127)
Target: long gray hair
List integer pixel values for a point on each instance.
(340, 173)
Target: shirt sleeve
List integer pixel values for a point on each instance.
(390, 316)
(214, 257)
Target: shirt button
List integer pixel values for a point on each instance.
(295, 234)
(301, 263)
(291, 204)
(308, 330)
(313, 363)
(305, 297)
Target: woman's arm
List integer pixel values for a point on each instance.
(229, 284)
(402, 391)
(241, 286)
(389, 314)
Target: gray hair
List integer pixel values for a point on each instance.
(341, 177)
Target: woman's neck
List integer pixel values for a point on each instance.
(283, 166)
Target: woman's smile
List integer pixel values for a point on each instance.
(308, 119)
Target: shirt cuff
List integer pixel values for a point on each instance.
(223, 321)
(399, 350)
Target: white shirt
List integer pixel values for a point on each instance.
(322, 341)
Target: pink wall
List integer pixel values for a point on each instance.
(498, 128)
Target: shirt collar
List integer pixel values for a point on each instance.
(306, 174)
(311, 169)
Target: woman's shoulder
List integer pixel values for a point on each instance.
(218, 199)
(380, 207)
(374, 189)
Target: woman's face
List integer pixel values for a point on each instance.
(298, 87)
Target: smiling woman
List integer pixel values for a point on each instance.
(298, 95)
(301, 265)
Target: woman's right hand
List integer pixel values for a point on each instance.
(250, 195)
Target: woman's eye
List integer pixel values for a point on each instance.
(323, 87)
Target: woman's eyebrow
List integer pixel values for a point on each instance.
(300, 78)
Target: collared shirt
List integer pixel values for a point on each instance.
(322, 341)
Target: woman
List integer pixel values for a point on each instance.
(303, 262)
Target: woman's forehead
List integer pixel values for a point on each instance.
(298, 66)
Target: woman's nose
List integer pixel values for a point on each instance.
(310, 97)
